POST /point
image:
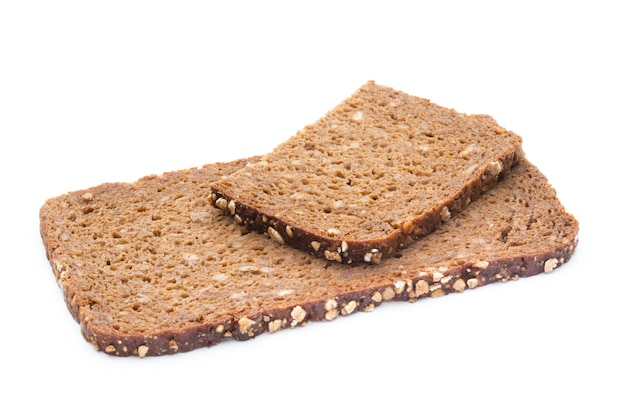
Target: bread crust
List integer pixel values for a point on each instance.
(191, 293)
(361, 251)
(248, 327)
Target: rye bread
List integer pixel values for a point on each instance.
(378, 170)
(150, 268)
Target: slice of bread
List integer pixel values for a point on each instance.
(378, 170)
(151, 268)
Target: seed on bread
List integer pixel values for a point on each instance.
(482, 264)
(388, 293)
(471, 150)
(494, 168)
(232, 206)
(550, 264)
(421, 287)
(399, 287)
(275, 325)
(246, 326)
(332, 255)
(142, 351)
(349, 308)
(331, 314)
(459, 285)
(445, 214)
(275, 235)
(298, 314)
(330, 304)
(221, 203)
(373, 256)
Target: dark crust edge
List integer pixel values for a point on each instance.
(427, 284)
(366, 251)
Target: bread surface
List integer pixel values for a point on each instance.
(151, 268)
(380, 169)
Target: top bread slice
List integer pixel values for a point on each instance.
(150, 268)
(378, 170)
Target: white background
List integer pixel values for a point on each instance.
(94, 92)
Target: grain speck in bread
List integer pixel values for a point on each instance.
(376, 171)
(151, 268)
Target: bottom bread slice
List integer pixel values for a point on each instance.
(151, 268)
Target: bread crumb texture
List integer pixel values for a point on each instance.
(377, 169)
(151, 268)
